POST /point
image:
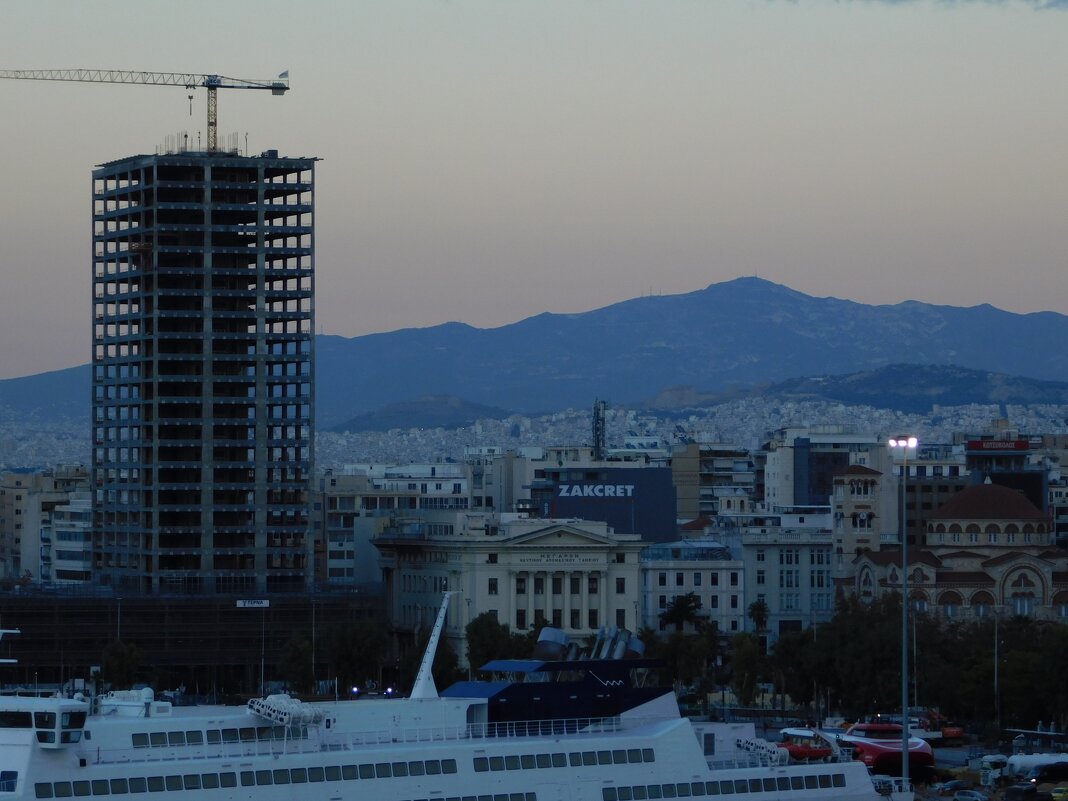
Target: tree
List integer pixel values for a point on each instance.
(294, 663)
(683, 609)
(759, 614)
(355, 651)
(488, 639)
(745, 667)
(120, 664)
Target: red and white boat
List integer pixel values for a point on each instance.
(878, 745)
(805, 745)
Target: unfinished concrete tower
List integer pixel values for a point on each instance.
(203, 372)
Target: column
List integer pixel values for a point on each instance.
(567, 599)
(548, 604)
(584, 598)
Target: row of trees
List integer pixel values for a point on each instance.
(852, 664)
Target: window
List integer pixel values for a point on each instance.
(539, 585)
(592, 585)
(678, 579)
(760, 555)
(593, 619)
(558, 585)
(576, 585)
(491, 558)
(520, 618)
(760, 577)
(492, 589)
(734, 579)
(621, 618)
(621, 586)
(662, 579)
(521, 585)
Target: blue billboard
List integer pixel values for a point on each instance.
(632, 500)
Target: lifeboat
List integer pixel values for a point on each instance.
(805, 745)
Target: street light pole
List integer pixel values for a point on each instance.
(905, 443)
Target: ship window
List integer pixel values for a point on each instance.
(63, 790)
(43, 789)
(496, 763)
(797, 783)
(191, 781)
(697, 788)
(481, 764)
(532, 797)
(228, 779)
(248, 778)
(433, 767)
(589, 758)
(333, 773)
(741, 786)
(100, 787)
(648, 755)
(448, 766)
(382, 770)
(639, 793)
(511, 762)
(576, 759)
(138, 784)
(769, 786)
(281, 776)
(17, 720)
(634, 755)
(515, 797)
(669, 790)
(366, 772)
(174, 783)
(139, 740)
(214, 737)
(72, 720)
(810, 782)
(229, 735)
(485, 798)
(468, 798)
(316, 774)
(654, 791)
(527, 761)
(265, 733)
(194, 738)
(263, 777)
(158, 738)
(838, 779)
(400, 768)
(176, 738)
(209, 781)
(248, 734)
(825, 780)
(417, 768)
(619, 757)
(46, 736)
(560, 760)
(783, 783)
(544, 760)
(683, 790)
(712, 788)
(44, 720)
(609, 794)
(280, 732)
(81, 788)
(604, 757)
(755, 785)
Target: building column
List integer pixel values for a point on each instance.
(584, 595)
(530, 598)
(567, 599)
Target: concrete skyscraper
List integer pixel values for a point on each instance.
(203, 372)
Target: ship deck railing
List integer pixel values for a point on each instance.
(328, 740)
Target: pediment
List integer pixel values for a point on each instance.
(558, 537)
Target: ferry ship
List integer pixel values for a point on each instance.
(555, 729)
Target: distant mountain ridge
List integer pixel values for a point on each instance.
(726, 338)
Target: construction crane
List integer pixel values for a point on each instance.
(212, 83)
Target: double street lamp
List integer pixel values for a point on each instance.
(905, 444)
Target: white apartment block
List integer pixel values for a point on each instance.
(700, 566)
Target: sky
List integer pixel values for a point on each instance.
(485, 161)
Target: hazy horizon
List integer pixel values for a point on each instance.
(485, 162)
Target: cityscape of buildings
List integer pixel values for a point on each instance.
(203, 477)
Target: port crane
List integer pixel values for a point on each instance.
(212, 83)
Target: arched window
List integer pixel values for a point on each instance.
(949, 603)
(982, 603)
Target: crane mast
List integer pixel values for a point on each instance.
(212, 83)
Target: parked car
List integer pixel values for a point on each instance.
(969, 795)
(1059, 794)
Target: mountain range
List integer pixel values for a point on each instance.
(733, 338)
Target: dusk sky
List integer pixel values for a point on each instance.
(487, 161)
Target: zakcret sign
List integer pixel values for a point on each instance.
(596, 491)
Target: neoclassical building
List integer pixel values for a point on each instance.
(577, 575)
(989, 550)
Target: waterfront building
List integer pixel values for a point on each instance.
(577, 575)
(203, 334)
(701, 566)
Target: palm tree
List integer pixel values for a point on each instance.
(683, 609)
(759, 613)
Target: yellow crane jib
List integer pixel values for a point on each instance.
(277, 86)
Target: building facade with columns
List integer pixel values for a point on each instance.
(576, 575)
